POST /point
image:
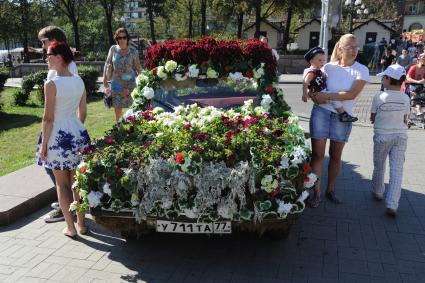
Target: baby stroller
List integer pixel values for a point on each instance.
(417, 104)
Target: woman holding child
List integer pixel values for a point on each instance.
(345, 79)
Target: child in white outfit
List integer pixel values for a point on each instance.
(389, 114)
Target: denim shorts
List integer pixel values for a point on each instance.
(325, 124)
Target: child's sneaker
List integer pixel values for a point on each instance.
(346, 118)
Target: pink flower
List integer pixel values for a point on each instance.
(187, 126)
(109, 140)
(200, 136)
(131, 118)
(86, 150)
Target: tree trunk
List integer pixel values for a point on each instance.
(151, 21)
(190, 26)
(287, 28)
(24, 29)
(257, 7)
(76, 35)
(240, 24)
(109, 27)
(203, 17)
(401, 9)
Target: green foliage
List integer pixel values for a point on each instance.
(20, 97)
(89, 75)
(96, 56)
(4, 75)
(35, 80)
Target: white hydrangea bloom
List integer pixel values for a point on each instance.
(266, 101)
(107, 189)
(193, 71)
(161, 73)
(170, 66)
(148, 92)
(94, 198)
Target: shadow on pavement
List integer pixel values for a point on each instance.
(348, 242)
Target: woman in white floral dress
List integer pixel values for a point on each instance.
(63, 136)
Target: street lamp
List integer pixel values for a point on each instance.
(355, 7)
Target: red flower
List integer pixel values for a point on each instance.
(269, 89)
(109, 140)
(248, 121)
(307, 168)
(83, 169)
(146, 145)
(86, 150)
(227, 69)
(306, 179)
(197, 149)
(200, 136)
(275, 192)
(248, 74)
(179, 158)
(277, 133)
(149, 108)
(187, 126)
(131, 118)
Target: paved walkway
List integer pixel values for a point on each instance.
(351, 242)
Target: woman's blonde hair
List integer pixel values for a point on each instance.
(336, 54)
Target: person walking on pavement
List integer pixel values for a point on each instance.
(346, 79)
(122, 66)
(389, 113)
(48, 35)
(63, 137)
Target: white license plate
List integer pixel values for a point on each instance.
(223, 227)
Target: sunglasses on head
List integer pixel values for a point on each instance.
(121, 37)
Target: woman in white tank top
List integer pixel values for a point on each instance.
(63, 136)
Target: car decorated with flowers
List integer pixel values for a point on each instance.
(190, 166)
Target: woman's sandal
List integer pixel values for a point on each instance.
(82, 230)
(330, 195)
(314, 202)
(69, 233)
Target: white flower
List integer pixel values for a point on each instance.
(312, 178)
(266, 101)
(211, 73)
(94, 198)
(224, 210)
(157, 110)
(148, 92)
(73, 206)
(170, 66)
(191, 213)
(284, 208)
(180, 77)
(74, 185)
(166, 203)
(161, 73)
(268, 183)
(159, 134)
(193, 71)
(107, 189)
(298, 155)
(284, 162)
(303, 196)
(237, 76)
(142, 79)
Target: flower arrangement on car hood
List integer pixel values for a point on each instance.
(200, 163)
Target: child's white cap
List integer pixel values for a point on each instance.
(394, 71)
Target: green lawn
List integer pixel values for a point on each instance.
(20, 126)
